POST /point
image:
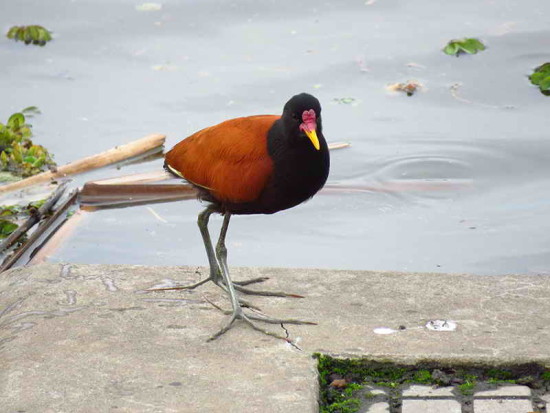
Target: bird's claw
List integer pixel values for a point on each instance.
(239, 314)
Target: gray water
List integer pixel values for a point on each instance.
(453, 179)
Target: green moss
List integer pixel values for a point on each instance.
(500, 382)
(423, 376)
(344, 406)
(467, 388)
(369, 395)
(499, 374)
(393, 376)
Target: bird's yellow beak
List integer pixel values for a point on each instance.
(312, 135)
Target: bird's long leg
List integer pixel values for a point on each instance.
(221, 252)
(237, 311)
(214, 276)
(204, 218)
(215, 272)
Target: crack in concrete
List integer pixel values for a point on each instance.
(288, 339)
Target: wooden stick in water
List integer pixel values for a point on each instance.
(141, 178)
(114, 195)
(338, 145)
(114, 155)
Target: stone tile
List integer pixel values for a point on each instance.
(506, 391)
(428, 391)
(546, 397)
(431, 406)
(380, 407)
(374, 390)
(502, 406)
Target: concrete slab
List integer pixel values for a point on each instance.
(502, 406)
(505, 391)
(431, 406)
(428, 391)
(84, 338)
(380, 407)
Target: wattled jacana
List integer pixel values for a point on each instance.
(252, 165)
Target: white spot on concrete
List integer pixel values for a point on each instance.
(384, 330)
(441, 325)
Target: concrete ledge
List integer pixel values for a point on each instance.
(85, 338)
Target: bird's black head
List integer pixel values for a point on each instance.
(302, 117)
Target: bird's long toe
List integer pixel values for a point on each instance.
(271, 320)
(248, 291)
(183, 287)
(239, 314)
(251, 281)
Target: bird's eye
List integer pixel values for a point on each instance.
(295, 116)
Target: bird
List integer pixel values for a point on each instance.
(259, 164)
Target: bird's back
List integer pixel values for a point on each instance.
(229, 162)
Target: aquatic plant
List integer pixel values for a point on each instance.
(33, 34)
(19, 155)
(466, 45)
(541, 78)
(7, 227)
(10, 215)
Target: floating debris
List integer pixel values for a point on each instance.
(34, 34)
(345, 101)
(415, 65)
(410, 87)
(466, 45)
(149, 7)
(165, 68)
(541, 78)
(156, 215)
(441, 325)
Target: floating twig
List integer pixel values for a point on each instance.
(129, 194)
(114, 155)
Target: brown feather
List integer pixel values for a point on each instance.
(230, 159)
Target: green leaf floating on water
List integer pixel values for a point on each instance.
(541, 78)
(34, 34)
(466, 45)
